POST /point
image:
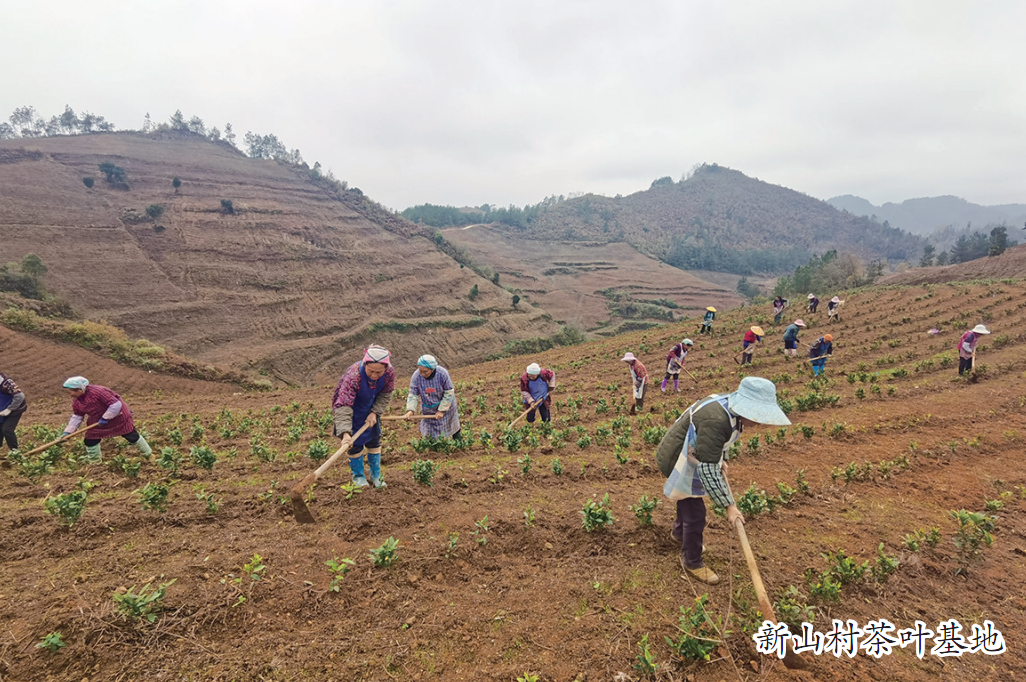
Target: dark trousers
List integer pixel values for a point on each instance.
(964, 365)
(690, 526)
(132, 437)
(542, 409)
(7, 430)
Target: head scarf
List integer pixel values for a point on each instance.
(76, 383)
(427, 361)
(376, 353)
(534, 368)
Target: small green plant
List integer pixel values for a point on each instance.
(424, 471)
(597, 515)
(525, 464)
(203, 457)
(153, 496)
(351, 490)
(144, 604)
(753, 502)
(255, 568)
(643, 509)
(450, 547)
(526, 677)
(790, 608)
(170, 459)
(128, 467)
(69, 506)
(700, 634)
(174, 435)
(338, 569)
(973, 534)
(800, 483)
(213, 505)
(529, 516)
(823, 586)
(482, 531)
(646, 659)
(318, 450)
(885, 565)
(583, 442)
(52, 642)
(557, 466)
(386, 555)
(844, 568)
(807, 431)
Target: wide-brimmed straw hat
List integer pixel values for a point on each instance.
(812, 295)
(835, 299)
(758, 331)
(756, 399)
(711, 309)
(980, 329)
(628, 357)
(799, 322)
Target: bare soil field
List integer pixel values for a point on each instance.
(289, 284)
(495, 575)
(565, 278)
(1012, 263)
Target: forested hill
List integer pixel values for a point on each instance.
(716, 219)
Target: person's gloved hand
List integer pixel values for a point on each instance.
(102, 421)
(4, 413)
(65, 434)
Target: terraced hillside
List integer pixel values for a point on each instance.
(289, 283)
(495, 576)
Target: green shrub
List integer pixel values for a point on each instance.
(144, 604)
(155, 211)
(424, 471)
(597, 515)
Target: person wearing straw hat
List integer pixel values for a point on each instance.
(537, 383)
(361, 397)
(693, 457)
(639, 376)
(431, 386)
(752, 337)
(99, 405)
(834, 309)
(819, 352)
(791, 337)
(675, 363)
(813, 303)
(710, 315)
(12, 406)
(967, 348)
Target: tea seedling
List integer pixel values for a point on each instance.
(153, 496)
(885, 565)
(557, 466)
(525, 464)
(597, 515)
(350, 489)
(844, 568)
(824, 588)
(170, 459)
(791, 608)
(700, 633)
(643, 509)
(52, 642)
(69, 506)
(482, 529)
(529, 516)
(213, 505)
(338, 569)
(144, 604)
(386, 555)
(424, 471)
(203, 457)
(450, 547)
(255, 568)
(973, 534)
(646, 660)
(318, 451)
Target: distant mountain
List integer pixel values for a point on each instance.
(720, 219)
(923, 216)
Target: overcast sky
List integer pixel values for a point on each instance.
(474, 101)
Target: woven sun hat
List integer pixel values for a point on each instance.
(534, 368)
(76, 383)
(628, 357)
(980, 329)
(756, 399)
(688, 342)
(828, 338)
(835, 299)
(799, 322)
(711, 309)
(812, 296)
(427, 361)
(758, 331)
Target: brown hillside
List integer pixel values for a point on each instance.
(478, 593)
(565, 277)
(721, 219)
(291, 284)
(1012, 263)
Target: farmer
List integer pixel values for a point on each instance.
(813, 303)
(752, 337)
(819, 351)
(536, 384)
(432, 387)
(675, 363)
(360, 398)
(791, 337)
(101, 406)
(693, 456)
(779, 303)
(966, 348)
(710, 315)
(639, 375)
(12, 406)
(834, 309)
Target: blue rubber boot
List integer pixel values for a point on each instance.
(356, 465)
(374, 460)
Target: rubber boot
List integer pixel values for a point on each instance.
(374, 461)
(93, 455)
(676, 385)
(663, 387)
(356, 465)
(143, 446)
